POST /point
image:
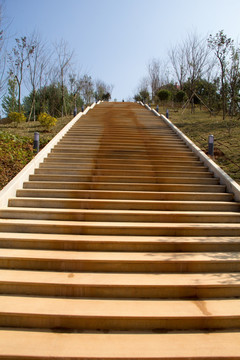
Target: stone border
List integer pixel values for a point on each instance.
(16, 183)
(231, 185)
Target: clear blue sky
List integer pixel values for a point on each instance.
(113, 40)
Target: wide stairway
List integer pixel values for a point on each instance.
(122, 245)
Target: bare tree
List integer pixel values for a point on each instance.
(221, 46)
(87, 88)
(197, 54)
(190, 62)
(177, 58)
(37, 63)
(64, 57)
(3, 52)
(17, 62)
(102, 89)
(154, 75)
(233, 79)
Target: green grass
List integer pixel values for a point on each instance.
(199, 125)
(16, 145)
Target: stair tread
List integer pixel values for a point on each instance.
(19, 344)
(120, 201)
(92, 256)
(122, 239)
(120, 279)
(69, 211)
(78, 224)
(119, 308)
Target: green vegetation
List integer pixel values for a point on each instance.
(16, 145)
(47, 121)
(17, 118)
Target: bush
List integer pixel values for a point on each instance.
(164, 95)
(47, 121)
(17, 117)
(180, 96)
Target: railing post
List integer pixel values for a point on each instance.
(36, 142)
(210, 145)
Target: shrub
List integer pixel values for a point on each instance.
(47, 121)
(180, 96)
(164, 95)
(17, 117)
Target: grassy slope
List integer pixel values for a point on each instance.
(16, 145)
(200, 125)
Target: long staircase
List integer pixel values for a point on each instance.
(121, 245)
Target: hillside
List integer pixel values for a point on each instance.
(16, 145)
(200, 125)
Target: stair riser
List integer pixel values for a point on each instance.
(130, 156)
(168, 169)
(58, 204)
(104, 323)
(140, 161)
(119, 266)
(67, 175)
(48, 168)
(123, 191)
(121, 291)
(116, 246)
(120, 230)
(118, 217)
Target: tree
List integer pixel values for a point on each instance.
(164, 95)
(221, 46)
(142, 96)
(17, 62)
(64, 57)
(75, 87)
(178, 60)
(3, 53)
(47, 99)
(87, 89)
(37, 64)
(102, 90)
(154, 75)
(233, 80)
(9, 103)
(190, 61)
(196, 60)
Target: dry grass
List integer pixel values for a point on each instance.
(199, 125)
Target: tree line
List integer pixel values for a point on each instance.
(199, 70)
(54, 84)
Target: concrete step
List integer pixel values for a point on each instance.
(17, 344)
(123, 151)
(110, 204)
(119, 228)
(119, 314)
(119, 243)
(126, 191)
(51, 260)
(179, 163)
(118, 154)
(128, 216)
(78, 163)
(120, 285)
(72, 175)
(77, 168)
